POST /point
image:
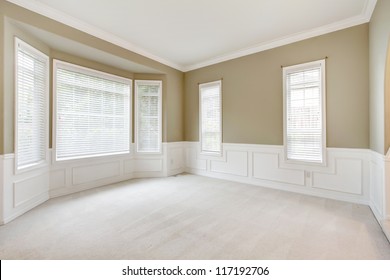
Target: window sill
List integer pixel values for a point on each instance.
(31, 167)
(98, 157)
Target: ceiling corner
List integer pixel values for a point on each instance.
(369, 9)
(70, 21)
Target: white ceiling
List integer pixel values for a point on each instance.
(57, 42)
(189, 34)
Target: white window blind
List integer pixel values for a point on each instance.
(92, 112)
(210, 100)
(304, 111)
(32, 78)
(148, 116)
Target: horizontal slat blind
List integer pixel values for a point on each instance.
(31, 93)
(148, 106)
(211, 117)
(304, 116)
(92, 113)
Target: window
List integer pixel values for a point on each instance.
(210, 100)
(148, 116)
(92, 112)
(31, 95)
(304, 112)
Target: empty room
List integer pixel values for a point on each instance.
(195, 130)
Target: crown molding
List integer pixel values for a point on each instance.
(364, 17)
(369, 9)
(68, 20)
(56, 15)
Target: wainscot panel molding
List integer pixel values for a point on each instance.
(266, 166)
(95, 172)
(72, 176)
(386, 197)
(175, 159)
(235, 163)
(377, 185)
(22, 191)
(345, 177)
(380, 189)
(1, 189)
(353, 175)
(348, 172)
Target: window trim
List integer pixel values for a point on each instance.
(46, 59)
(97, 73)
(147, 82)
(297, 68)
(201, 151)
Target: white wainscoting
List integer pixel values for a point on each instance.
(345, 176)
(387, 189)
(175, 158)
(386, 197)
(1, 189)
(22, 191)
(266, 166)
(354, 175)
(377, 185)
(73, 176)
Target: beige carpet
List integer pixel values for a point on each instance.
(193, 217)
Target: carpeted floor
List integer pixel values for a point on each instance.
(193, 217)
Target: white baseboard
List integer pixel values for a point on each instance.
(38, 200)
(23, 191)
(1, 189)
(353, 175)
(377, 185)
(386, 228)
(75, 176)
(66, 190)
(345, 177)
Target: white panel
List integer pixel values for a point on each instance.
(386, 194)
(236, 164)
(348, 177)
(57, 178)
(193, 162)
(266, 167)
(386, 228)
(176, 156)
(148, 165)
(28, 189)
(128, 166)
(376, 187)
(84, 174)
(1, 189)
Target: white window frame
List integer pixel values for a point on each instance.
(298, 68)
(18, 169)
(205, 152)
(148, 82)
(87, 71)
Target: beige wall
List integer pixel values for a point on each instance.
(252, 85)
(379, 41)
(173, 79)
(252, 90)
(174, 109)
